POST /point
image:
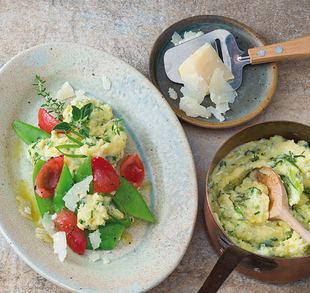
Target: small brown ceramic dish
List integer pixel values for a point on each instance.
(259, 81)
(269, 269)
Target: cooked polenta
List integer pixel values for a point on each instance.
(241, 204)
(103, 140)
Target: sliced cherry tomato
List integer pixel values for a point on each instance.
(105, 177)
(46, 121)
(48, 177)
(132, 169)
(66, 221)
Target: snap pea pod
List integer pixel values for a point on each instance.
(83, 171)
(126, 222)
(64, 184)
(45, 205)
(110, 234)
(132, 200)
(29, 133)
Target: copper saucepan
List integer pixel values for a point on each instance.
(269, 269)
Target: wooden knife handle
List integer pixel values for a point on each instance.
(298, 48)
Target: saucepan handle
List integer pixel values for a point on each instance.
(227, 262)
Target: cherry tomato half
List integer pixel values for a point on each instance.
(132, 169)
(46, 121)
(105, 177)
(66, 222)
(48, 177)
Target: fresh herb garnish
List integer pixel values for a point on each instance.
(79, 119)
(290, 158)
(252, 189)
(255, 158)
(117, 128)
(221, 164)
(238, 211)
(52, 105)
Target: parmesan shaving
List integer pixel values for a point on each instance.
(95, 239)
(106, 82)
(65, 92)
(72, 196)
(60, 245)
(94, 256)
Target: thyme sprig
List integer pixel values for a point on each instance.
(52, 105)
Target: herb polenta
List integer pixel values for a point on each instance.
(241, 204)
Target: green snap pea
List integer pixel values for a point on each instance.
(126, 222)
(83, 171)
(64, 184)
(110, 234)
(132, 200)
(29, 133)
(45, 205)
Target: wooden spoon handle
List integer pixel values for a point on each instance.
(296, 226)
(298, 48)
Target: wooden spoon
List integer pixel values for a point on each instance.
(278, 205)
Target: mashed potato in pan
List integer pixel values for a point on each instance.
(241, 204)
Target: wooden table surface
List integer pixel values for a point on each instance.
(128, 29)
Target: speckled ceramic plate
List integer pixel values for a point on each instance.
(154, 132)
(259, 81)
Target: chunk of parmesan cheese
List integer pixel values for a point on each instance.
(72, 196)
(203, 62)
(60, 245)
(65, 92)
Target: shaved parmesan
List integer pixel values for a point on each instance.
(94, 256)
(176, 39)
(65, 92)
(192, 107)
(195, 86)
(172, 93)
(220, 90)
(106, 260)
(60, 245)
(80, 94)
(106, 82)
(95, 239)
(72, 196)
(48, 224)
